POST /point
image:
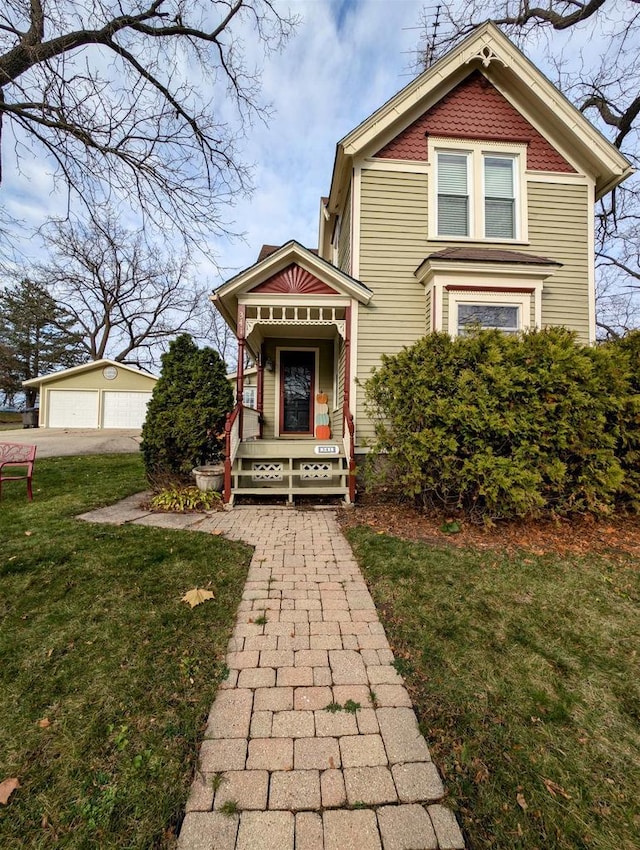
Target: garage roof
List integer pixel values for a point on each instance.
(85, 367)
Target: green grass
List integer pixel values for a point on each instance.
(94, 637)
(525, 674)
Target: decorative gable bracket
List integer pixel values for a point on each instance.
(487, 55)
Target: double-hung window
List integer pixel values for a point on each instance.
(479, 193)
(499, 197)
(453, 194)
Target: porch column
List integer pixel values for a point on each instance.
(347, 416)
(260, 390)
(347, 356)
(240, 372)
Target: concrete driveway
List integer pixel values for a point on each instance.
(56, 442)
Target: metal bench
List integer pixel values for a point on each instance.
(17, 455)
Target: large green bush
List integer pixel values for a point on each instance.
(501, 426)
(186, 415)
(628, 348)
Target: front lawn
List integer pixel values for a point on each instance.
(525, 672)
(106, 677)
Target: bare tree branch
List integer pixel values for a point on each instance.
(137, 98)
(128, 298)
(604, 83)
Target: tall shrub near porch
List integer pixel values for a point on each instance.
(186, 415)
(500, 426)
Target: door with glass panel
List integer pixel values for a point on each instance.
(297, 379)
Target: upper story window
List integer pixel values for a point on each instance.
(453, 194)
(499, 197)
(479, 191)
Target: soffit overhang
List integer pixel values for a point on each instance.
(508, 69)
(243, 286)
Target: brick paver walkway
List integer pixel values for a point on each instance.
(311, 743)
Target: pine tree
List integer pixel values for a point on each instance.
(36, 337)
(186, 415)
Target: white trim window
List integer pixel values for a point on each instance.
(478, 192)
(454, 208)
(509, 312)
(501, 317)
(249, 396)
(499, 197)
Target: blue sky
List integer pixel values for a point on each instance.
(345, 59)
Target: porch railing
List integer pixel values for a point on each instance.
(232, 441)
(348, 440)
(250, 423)
(243, 423)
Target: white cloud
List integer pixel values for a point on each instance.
(345, 60)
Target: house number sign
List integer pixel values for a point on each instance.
(326, 450)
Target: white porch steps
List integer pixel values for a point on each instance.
(289, 468)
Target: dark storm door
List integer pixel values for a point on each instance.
(297, 378)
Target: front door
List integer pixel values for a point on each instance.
(297, 379)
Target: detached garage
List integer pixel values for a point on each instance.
(100, 394)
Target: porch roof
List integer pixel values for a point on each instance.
(331, 283)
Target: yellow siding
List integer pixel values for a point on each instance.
(558, 229)
(445, 310)
(392, 246)
(336, 414)
(325, 347)
(344, 243)
(93, 379)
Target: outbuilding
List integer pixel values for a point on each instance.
(99, 394)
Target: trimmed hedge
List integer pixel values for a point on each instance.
(187, 412)
(506, 426)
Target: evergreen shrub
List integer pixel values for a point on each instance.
(500, 426)
(185, 419)
(627, 349)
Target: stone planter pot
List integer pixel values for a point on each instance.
(209, 477)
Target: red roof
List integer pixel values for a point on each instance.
(475, 109)
(491, 255)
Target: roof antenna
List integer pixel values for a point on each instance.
(429, 55)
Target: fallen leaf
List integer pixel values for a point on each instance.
(28, 533)
(522, 802)
(553, 788)
(7, 787)
(196, 596)
(44, 723)
(217, 531)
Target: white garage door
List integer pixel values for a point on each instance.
(73, 409)
(124, 410)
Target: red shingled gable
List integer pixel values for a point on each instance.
(295, 279)
(475, 110)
